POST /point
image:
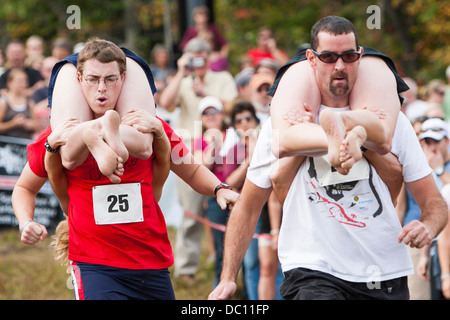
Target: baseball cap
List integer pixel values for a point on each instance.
(434, 128)
(243, 78)
(210, 101)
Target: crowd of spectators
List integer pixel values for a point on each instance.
(199, 89)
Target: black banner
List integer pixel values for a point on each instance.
(13, 157)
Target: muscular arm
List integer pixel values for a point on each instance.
(401, 205)
(240, 229)
(433, 215)
(23, 202)
(161, 163)
(283, 175)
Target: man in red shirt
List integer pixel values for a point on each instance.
(117, 231)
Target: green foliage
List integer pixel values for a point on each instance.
(415, 33)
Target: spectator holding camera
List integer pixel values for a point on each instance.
(193, 81)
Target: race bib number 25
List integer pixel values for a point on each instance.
(117, 203)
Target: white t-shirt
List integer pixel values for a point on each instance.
(348, 229)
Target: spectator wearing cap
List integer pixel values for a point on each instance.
(206, 151)
(433, 136)
(260, 85)
(435, 142)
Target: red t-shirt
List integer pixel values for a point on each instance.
(257, 54)
(137, 245)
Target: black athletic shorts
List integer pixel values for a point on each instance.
(306, 284)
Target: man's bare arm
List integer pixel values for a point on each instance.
(433, 217)
(240, 229)
(23, 202)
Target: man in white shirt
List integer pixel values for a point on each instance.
(340, 237)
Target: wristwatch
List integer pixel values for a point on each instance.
(221, 186)
(439, 171)
(49, 148)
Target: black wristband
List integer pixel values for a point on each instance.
(49, 148)
(221, 186)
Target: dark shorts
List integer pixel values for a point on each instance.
(98, 282)
(306, 284)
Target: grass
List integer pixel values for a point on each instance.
(31, 273)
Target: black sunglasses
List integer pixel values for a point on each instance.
(239, 120)
(332, 57)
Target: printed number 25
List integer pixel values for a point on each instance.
(118, 201)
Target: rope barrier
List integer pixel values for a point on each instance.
(220, 227)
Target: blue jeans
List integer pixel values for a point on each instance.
(217, 215)
(251, 268)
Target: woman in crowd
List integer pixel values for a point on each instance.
(16, 109)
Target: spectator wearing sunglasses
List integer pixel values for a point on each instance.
(237, 160)
(435, 142)
(434, 139)
(207, 152)
(260, 85)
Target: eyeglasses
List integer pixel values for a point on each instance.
(248, 119)
(94, 81)
(332, 57)
(210, 110)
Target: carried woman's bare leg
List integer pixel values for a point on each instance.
(68, 102)
(376, 113)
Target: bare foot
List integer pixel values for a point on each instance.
(350, 150)
(111, 135)
(333, 125)
(109, 163)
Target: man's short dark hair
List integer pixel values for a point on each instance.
(334, 25)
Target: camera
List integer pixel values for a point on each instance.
(196, 62)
